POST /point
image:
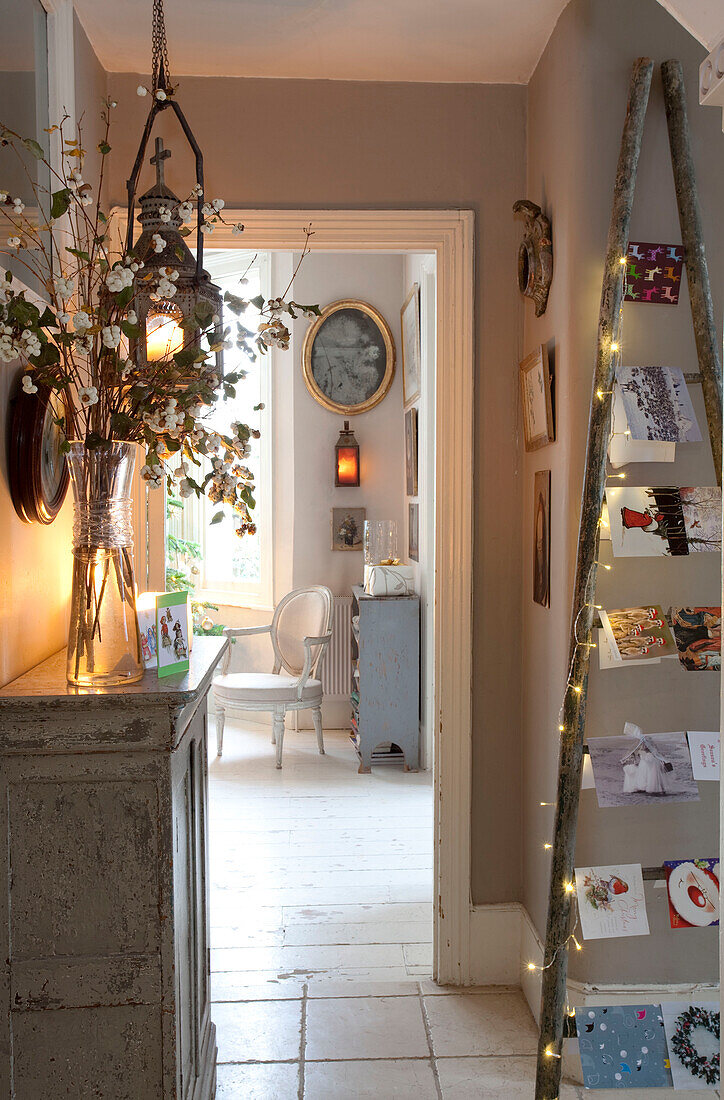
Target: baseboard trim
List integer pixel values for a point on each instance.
(495, 947)
(504, 940)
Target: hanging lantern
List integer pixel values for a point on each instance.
(346, 458)
(168, 323)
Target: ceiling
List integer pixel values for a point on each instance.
(480, 41)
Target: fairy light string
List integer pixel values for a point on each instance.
(571, 686)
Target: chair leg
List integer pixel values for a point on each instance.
(273, 734)
(279, 734)
(317, 719)
(219, 729)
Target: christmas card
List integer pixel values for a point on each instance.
(692, 1038)
(653, 273)
(704, 749)
(693, 890)
(654, 769)
(623, 1047)
(697, 631)
(637, 633)
(664, 521)
(172, 631)
(658, 405)
(611, 901)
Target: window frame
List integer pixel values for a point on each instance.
(246, 594)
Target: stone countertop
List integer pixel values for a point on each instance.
(46, 683)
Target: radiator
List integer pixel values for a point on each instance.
(336, 667)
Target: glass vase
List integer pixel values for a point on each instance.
(104, 645)
(380, 541)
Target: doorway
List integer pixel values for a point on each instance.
(448, 235)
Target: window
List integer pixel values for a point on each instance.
(229, 569)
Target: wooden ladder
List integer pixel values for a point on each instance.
(573, 721)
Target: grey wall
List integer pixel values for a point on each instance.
(346, 144)
(576, 106)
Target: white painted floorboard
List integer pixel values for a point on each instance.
(321, 939)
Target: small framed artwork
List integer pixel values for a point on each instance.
(542, 538)
(411, 452)
(413, 532)
(348, 357)
(172, 633)
(535, 386)
(411, 353)
(347, 527)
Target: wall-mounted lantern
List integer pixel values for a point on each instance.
(346, 458)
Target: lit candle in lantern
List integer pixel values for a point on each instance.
(346, 452)
(164, 336)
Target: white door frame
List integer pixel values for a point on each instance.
(449, 235)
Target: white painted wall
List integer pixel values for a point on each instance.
(420, 269)
(326, 278)
(303, 454)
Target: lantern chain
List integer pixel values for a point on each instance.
(159, 67)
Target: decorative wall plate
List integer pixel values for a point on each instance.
(349, 357)
(37, 469)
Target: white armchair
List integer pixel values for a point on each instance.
(300, 633)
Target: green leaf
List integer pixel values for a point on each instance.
(185, 357)
(124, 296)
(33, 147)
(216, 518)
(258, 302)
(102, 217)
(8, 276)
(103, 148)
(48, 320)
(94, 442)
(179, 252)
(79, 253)
(203, 312)
(64, 447)
(121, 423)
(129, 330)
(235, 304)
(60, 203)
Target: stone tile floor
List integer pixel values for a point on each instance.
(321, 944)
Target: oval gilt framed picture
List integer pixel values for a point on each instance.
(349, 357)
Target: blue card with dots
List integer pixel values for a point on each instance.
(623, 1047)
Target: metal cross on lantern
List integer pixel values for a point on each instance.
(164, 322)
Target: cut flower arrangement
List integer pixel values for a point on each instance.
(86, 347)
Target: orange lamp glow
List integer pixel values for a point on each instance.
(164, 335)
(346, 458)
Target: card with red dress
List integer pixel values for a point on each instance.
(664, 521)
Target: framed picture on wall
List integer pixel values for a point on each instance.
(411, 352)
(348, 357)
(413, 532)
(411, 452)
(542, 538)
(535, 388)
(347, 527)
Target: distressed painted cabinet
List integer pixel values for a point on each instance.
(386, 675)
(103, 905)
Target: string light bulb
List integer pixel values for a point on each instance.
(622, 260)
(532, 966)
(547, 847)
(569, 887)
(614, 346)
